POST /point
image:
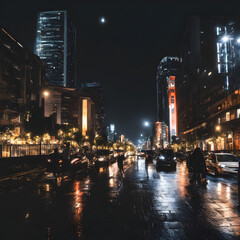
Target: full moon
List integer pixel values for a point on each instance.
(102, 20)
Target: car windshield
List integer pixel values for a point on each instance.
(226, 158)
(103, 152)
(168, 152)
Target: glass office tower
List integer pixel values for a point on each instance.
(56, 46)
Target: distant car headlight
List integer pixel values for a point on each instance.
(222, 165)
(101, 159)
(162, 157)
(49, 160)
(174, 158)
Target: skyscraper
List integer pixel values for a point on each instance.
(166, 72)
(111, 132)
(56, 46)
(209, 56)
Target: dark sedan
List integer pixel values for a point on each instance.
(166, 159)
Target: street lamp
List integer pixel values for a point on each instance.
(146, 124)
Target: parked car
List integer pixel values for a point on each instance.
(222, 163)
(57, 164)
(102, 158)
(166, 159)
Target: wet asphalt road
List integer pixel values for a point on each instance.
(143, 204)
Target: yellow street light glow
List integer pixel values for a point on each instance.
(45, 93)
(218, 128)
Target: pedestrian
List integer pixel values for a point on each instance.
(66, 152)
(66, 157)
(198, 166)
(55, 161)
(120, 160)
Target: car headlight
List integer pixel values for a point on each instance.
(162, 157)
(175, 158)
(101, 159)
(49, 160)
(222, 165)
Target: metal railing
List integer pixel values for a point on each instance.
(12, 150)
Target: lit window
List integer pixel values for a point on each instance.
(227, 116)
(238, 113)
(219, 120)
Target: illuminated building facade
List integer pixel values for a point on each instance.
(95, 92)
(56, 46)
(70, 106)
(209, 76)
(88, 117)
(111, 132)
(21, 81)
(167, 67)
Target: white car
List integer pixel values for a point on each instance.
(222, 163)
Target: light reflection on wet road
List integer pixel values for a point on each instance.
(143, 204)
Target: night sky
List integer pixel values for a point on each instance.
(122, 54)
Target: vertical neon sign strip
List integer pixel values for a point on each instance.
(172, 106)
(84, 117)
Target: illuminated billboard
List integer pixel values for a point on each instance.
(172, 107)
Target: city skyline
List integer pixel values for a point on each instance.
(100, 61)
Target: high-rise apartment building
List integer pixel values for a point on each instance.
(22, 78)
(56, 46)
(209, 56)
(208, 84)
